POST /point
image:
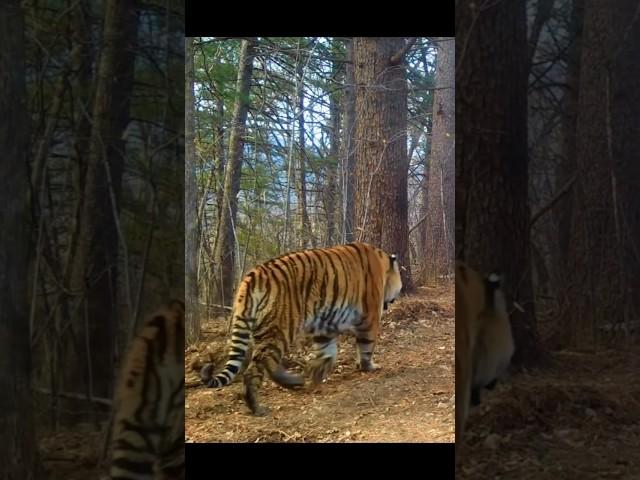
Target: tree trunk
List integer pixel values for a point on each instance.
(563, 212)
(331, 168)
(305, 236)
(349, 149)
(492, 214)
(423, 256)
(225, 250)
(18, 454)
(381, 204)
(95, 263)
(219, 155)
(604, 256)
(192, 317)
(439, 243)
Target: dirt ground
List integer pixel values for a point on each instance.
(72, 454)
(410, 399)
(578, 418)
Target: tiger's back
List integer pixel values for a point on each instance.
(148, 429)
(319, 292)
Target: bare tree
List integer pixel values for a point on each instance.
(298, 171)
(330, 188)
(381, 204)
(492, 214)
(100, 236)
(18, 454)
(348, 157)
(192, 317)
(604, 260)
(226, 248)
(439, 242)
(305, 237)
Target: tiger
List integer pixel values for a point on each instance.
(484, 342)
(148, 427)
(320, 292)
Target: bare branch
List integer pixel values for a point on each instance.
(424, 217)
(561, 193)
(397, 58)
(77, 396)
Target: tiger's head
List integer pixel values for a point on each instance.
(392, 281)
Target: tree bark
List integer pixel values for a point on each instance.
(349, 148)
(566, 171)
(381, 204)
(304, 236)
(439, 243)
(604, 260)
(225, 250)
(492, 214)
(331, 168)
(192, 317)
(18, 454)
(95, 263)
(219, 155)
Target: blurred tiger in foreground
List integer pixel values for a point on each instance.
(321, 292)
(484, 344)
(148, 428)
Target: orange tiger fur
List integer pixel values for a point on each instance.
(148, 429)
(321, 292)
(484, 344)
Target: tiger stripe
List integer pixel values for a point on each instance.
(320, 292)
(148, 428)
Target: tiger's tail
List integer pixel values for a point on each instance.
(240, 343)
(249, 300)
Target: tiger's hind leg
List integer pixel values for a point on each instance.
(325, 354)
(252, 381)
(366, 343)
(285, 378)
(267, 359)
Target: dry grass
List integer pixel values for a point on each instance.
(579, 418)
(410, 399)
(72, 454)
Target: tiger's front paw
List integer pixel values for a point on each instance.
(368, 366)
(260, 411)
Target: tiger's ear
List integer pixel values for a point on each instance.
(393, 262)
(495, 278)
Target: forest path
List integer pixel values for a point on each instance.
(578, 418)
(410, 399)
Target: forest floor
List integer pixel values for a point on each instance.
(409, 399)
(577, 418)
(72, 454)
